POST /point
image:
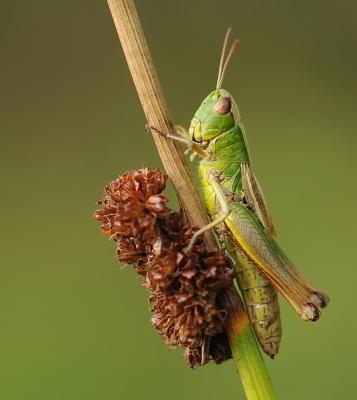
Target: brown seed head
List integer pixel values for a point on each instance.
(183, 283)
(132, 204)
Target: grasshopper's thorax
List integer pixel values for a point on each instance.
(216, 128)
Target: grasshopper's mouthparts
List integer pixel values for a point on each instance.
(196, 129)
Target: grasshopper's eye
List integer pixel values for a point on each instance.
(223, 106)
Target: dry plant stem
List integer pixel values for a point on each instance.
(150, 93)
(155, 108)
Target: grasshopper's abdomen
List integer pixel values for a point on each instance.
(261, 301)
(260, 298)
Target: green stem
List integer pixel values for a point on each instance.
(245, 349)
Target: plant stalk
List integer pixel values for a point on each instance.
(245, 349)
(246, 352)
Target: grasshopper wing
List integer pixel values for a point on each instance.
(255, 199)
(252, 239)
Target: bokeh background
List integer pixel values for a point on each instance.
(73, 325)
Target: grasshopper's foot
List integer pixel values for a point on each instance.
(149, 127)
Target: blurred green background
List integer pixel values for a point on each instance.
(75, 326)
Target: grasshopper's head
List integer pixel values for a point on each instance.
(218, 113)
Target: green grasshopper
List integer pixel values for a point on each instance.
(240, 217)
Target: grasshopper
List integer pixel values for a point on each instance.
(240, 217)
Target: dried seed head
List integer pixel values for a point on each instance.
(131, 251)
(183, 283)
(132, 204)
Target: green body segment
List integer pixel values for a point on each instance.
(260, 298)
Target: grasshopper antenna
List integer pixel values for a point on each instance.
(223, 67)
